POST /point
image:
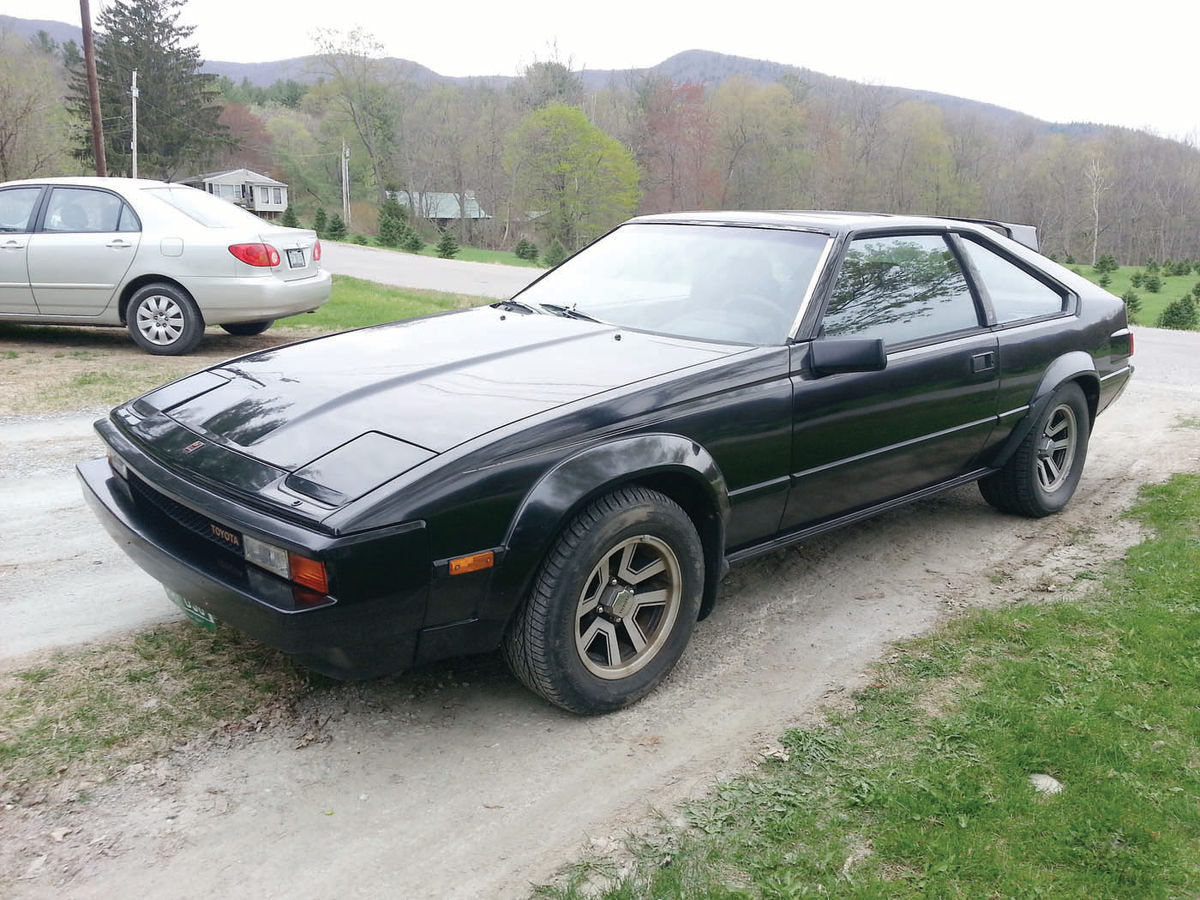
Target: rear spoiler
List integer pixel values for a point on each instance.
(1022, 234)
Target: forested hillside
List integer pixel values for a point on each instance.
(561, 154)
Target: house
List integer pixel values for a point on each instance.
(441, 207)
(257, 193)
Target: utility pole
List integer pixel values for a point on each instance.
(133, 92)
(89, 57)
(345, 184)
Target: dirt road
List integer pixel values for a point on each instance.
(457, 782)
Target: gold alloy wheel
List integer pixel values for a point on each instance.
(628, 607)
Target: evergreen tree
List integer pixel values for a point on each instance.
(177, 105)
(555, 253)
(320, 223)
(391, 222)
(448, 246)
(412, 241)
(337, 228)
(1181, 314)
(289, 219)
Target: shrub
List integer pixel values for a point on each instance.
(360, 239)
(555, 254)
(1151, 267)
(1196, 290)
(1104, 280)
(526, 249)
(448, 246)
(391, 229)
(337, 228)
(1181, 314)
(320, 223)
(1133, 305)
(1070, 260)
(1137, 279)
(412, 241)
(1152, 283)
(289, 219)
(1106, 264)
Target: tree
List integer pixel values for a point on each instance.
(582, 181)
(337, 228)
(289, 219)
(447, 247)
(177, 106)
(33, 123)
(391, 222)
(1181, 314)
(359, 87)
(320, 222)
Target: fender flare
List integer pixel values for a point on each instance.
(651, 459)
(1073, 366)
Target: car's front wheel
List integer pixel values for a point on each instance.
(162, 319)
(247, 329)
(613, 605)
(1041, 476)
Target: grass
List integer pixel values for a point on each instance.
(1173, 287)
(923, 788)
(355, 303)
(471, 254)
(89, 713)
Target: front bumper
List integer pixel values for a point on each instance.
(345, 638)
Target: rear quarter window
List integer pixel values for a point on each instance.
(1014, 293)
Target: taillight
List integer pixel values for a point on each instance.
(316, 255)
(263, 255)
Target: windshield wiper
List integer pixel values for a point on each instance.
(513, 305)
(569, 312)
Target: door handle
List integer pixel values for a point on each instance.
(983, 362)
(13, 245)
(119, 244)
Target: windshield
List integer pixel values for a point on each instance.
(716, 282)
(205, 208)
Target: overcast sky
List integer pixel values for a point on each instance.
(1136, 64)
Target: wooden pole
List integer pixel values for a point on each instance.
(89, 56)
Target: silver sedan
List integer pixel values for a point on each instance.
(162, 260)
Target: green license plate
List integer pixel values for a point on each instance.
(195, 613)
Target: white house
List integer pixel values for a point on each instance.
(259, 194)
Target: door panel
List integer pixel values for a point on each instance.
(862, 438)
(17, 206)
(80, 254)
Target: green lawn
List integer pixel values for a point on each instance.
(1173, 288)
(355, 303)
(922, 788)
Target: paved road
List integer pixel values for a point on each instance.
(407, 270)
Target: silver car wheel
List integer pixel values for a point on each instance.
(1056, 448)
(628, 607)
(160, 319)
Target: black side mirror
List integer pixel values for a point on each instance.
(831, 357)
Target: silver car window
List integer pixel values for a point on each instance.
(16, 208)
(79, 210)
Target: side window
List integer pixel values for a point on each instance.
(1015, 294)
(900, 288)
(81, 210)
(129, 220)
(16, 208)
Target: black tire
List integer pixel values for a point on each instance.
(586, 658)
(248, 329)
(1041, 476)
(162, 319)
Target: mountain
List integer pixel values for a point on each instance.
(690, 66)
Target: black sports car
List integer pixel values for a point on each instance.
(569, 473)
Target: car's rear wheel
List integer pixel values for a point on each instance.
(1043, 473)
(247, 329)
(162, 319)
(613, 605)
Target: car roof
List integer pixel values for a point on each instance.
(837, 222)
(113, 183)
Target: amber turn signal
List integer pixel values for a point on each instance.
(309, 572)
(472, 563)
